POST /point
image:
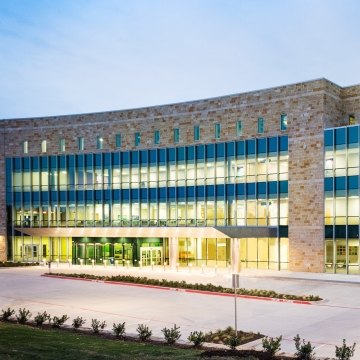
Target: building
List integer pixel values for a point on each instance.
(267, 179)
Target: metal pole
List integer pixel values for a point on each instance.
(235, 311)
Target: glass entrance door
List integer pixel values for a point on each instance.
(30, 252)
(151, 255)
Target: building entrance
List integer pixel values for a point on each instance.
(151, 255)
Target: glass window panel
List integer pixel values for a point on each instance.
(283, 122)
(196, 133)
(261, 125)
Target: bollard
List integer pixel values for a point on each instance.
(164, 265)
(69, 261)
(116, 263)
(140, 265)
(127, 264)
(190, 266)
(57, 262)
(202, 268)
(81, 262)
(177, 267)
(152, 266)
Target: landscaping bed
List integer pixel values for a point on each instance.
(190, 286)
(17, 264)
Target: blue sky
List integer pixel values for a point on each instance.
(78, 56)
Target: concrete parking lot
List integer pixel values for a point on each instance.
(324, 324)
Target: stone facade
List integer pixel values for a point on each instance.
(310, 107)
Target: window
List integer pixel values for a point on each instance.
(99, 142)
(25, 147)
(217, 130)
(62, 145)
(283, 122)
(176, 135)
(239, 129)
(260, 125)
(156, 137)
(81, 143)
(352, 119)
(43, 146)
(137, 139)
(196, 133)
(118, 140)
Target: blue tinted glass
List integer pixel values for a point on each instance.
(181, 192)
(283, 143)
(71, 160)
(162, 155)
(240, 189)
(80, 160)
(107, 195)
(353, 231)
(44, 162)
(89, 195)
(97, 160)
(63, 196)
(230, 149)
(26, 163)
(134, 157)
(261, 188)
(329, 231)
(240, 148)
(54, 197)
(272, 144)
(200, 191)
(340, 231)
(44, 197)
(172, 192)
(190, 152)
(71, 196)
(143, 194)
(220, 190)
(8, 165)
(36, 197)
(272, 187)
(116, 159)
(250, 189)
(125, 158)
(62, 161)
(230, 190)
(283, 187)
(340, 136)
(152, 194)
(210, 190)
(340, 183)
(88, 160)
(200, 152)
(261, 146)
(329, 138)
(35, 164)
(171, 154)
(250, 147)
(80, 196)
(125, 195)
(18, 198)
(107, 159)
(181, 154)
(162, 194)
(27, 197)
(98, 195)
(116, 195)
(210, 151)
(220, 150)
(143, 156)
(134, 193)
(17, 164)
(190, 191)
(353, 182)
(153, 156)
(353, 134)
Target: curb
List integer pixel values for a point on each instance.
(193, 291)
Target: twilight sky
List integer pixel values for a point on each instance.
(78, 56)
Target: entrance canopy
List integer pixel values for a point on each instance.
(167, 232)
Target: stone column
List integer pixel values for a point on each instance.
(173, 252)
(235, 255)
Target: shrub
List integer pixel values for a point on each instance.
(304, 351)
(59, 321)
(144, 332)
(6, 314)
(344, 352)
(233, 341)
(23, 316)
(78, 322)
(40, 318)
(171, 335)
(119, 329)
(271, 345)
(197, 338)
(96, 325)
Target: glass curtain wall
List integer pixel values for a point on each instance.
(342, 207)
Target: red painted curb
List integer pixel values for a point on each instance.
(193, 291)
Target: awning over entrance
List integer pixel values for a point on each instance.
(168, 232)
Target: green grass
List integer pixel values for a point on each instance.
(25, 342)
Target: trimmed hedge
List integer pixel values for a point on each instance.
(196, 286)
(16, 264)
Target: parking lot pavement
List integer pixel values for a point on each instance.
(324, 324)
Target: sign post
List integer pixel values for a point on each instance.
(235, 284)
